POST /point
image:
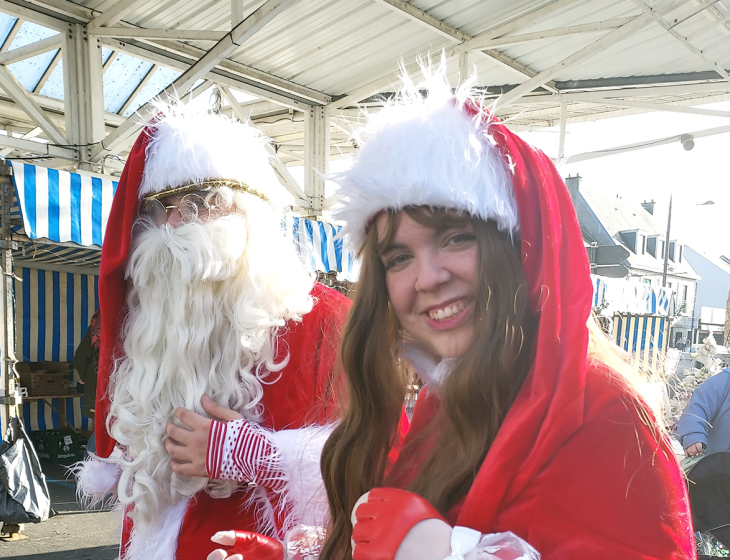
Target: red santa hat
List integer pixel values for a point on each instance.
(438, 148)
(183, 148)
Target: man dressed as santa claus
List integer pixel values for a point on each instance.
(216, 381)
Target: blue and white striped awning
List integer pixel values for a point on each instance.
(60, 206)
(63, 206)
(628, 296)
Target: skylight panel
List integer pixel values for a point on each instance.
(54, 85)
(162, 78)
(30, 33)
(121, 79)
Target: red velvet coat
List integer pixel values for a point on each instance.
(612, 491)
(303, 395)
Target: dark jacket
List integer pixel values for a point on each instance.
(86, 362)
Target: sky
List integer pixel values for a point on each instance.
(691, 177)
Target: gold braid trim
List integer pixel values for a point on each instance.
(209, 184)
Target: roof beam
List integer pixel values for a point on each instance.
(18, 94)
(41, 148)
(511, 64)
(262, 78)
(604, 25)
(453, 34)
(648, 10)
(581, 55)
(424, 18)
(31, 50)
(646, 144)
(226, 46)
(481, 40)
(28, 13)
(109, 61)
(113, 14)
(282, 172)
(27, 136)
(174, 34)
(654, 106)
(717, 13)
(11, 35)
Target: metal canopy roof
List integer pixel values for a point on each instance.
(73, 74)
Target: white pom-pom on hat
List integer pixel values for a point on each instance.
(423, 149)
(190, 145)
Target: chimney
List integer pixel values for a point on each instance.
(573, 184)
(648, 206)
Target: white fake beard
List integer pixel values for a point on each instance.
(201, 321)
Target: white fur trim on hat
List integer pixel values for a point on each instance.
(424, 150)
(190, 145)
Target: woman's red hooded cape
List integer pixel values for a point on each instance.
(575, 469)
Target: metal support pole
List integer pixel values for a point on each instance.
(666, 245)
(9, 383)
(83, 92)
(563, 119)
(316, 158)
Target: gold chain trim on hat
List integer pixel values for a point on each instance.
(209, 184)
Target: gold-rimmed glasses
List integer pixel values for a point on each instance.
(197, 206)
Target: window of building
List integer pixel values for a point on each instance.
(671, 250)
(684, 293)
(662, 252)
(651, 245)
(680, 252)
(643, 244)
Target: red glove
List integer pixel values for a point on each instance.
(384, 521)
(253, 546)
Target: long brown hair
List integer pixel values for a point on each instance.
(475, 397)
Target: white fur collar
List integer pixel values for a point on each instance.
(431, 372)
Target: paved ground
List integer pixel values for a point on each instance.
(72, 534)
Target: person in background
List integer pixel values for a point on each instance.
(680, 345)
(704, 426)
(86, 364)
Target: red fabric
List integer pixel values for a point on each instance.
(302, 396)
(112, 289)
(574, 469)
(384, 521)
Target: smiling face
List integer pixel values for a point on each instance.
(431, 276)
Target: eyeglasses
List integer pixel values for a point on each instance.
(192, 207)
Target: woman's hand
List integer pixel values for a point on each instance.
(188, 446)
(392, 523)
(246, 545)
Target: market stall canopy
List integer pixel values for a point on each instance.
(59, 219)
(73, 74)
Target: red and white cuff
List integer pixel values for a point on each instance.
(242, 451)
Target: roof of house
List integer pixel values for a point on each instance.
(716, 261)
(617, 216)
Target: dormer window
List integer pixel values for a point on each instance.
(629, 239)
(651, 245)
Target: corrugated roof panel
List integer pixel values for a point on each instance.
(121, 79)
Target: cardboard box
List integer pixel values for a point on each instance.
(43, 379)
(54, 446)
